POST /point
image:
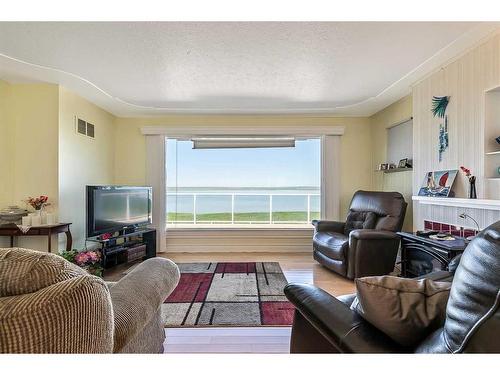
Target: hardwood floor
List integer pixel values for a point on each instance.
(297, 267)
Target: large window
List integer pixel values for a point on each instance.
(244, 186)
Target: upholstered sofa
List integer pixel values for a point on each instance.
(49, 305)
(366, 243)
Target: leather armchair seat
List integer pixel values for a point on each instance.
(366, 243)
(325, 324)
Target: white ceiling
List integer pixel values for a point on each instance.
(151, 68)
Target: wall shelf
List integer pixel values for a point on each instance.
(493, 153)
(394, 170)
(485, 204)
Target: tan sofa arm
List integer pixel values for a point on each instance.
(71, 316)
(137, 297)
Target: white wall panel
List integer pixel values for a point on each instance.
(466, 80)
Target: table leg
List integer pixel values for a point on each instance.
(50, 241)
(69, 241)
(11, 241)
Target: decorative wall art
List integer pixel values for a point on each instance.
(438, 183)
(439, 104)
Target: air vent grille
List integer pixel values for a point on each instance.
(90, 130)
(85, 128)
(81, 127)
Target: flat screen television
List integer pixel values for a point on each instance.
(116, 208)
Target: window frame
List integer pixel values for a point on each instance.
(156, 172)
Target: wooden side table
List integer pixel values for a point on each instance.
(12, 231)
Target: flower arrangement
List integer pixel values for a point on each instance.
(38, 203)
(472, 182)
(89, 260)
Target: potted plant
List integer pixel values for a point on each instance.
(38, 203)
(89, 260)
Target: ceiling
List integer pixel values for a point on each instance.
(153, 68)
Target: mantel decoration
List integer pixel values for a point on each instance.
(472, 182)
(89, 260)
(438, 183)
(439, 105)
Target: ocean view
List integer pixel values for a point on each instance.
(243, 204)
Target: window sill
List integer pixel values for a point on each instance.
(240, 232)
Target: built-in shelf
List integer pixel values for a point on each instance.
(394, 170)
(493, 153)
(485, 204)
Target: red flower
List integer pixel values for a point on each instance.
(465, 170)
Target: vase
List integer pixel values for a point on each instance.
(472, 188)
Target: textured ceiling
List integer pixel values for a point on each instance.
(153, 68)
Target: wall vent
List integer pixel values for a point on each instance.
(85, 128)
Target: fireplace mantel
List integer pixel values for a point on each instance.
(485, 204)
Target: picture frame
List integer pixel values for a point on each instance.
(383, 166)
(438, 183)
(402, 163)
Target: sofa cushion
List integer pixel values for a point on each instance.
(359, 220)
(26, 271)
(332, 244)
(406, 310)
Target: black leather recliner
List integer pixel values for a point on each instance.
(366, 243)
(325, 324)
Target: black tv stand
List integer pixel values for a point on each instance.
(139, 244)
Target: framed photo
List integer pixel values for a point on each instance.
(402, 163)
(438, 183)
(384, 166)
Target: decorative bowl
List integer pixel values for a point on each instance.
(12, 214)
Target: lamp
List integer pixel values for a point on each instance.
(463, 215)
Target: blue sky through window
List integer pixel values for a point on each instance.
(244, 168)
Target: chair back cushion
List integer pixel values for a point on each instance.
(389, 208)
(359, 220)
(26, 271)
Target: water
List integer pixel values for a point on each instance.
(246, 200)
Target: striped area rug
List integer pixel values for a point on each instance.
(229, 294)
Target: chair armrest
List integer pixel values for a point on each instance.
(371, 252)
(372, 234)
(342, 327)
(72, 316)
(137, 297)
(328, 225)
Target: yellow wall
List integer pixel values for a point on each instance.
(31, 135)
(83, 160)
(5, 146)
(34, 135)
(356, 169)
(402, 181)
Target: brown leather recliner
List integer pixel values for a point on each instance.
(366, 243)
(325, 324)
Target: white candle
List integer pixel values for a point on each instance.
(51, 219)
(36, 220)
(26, 221)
